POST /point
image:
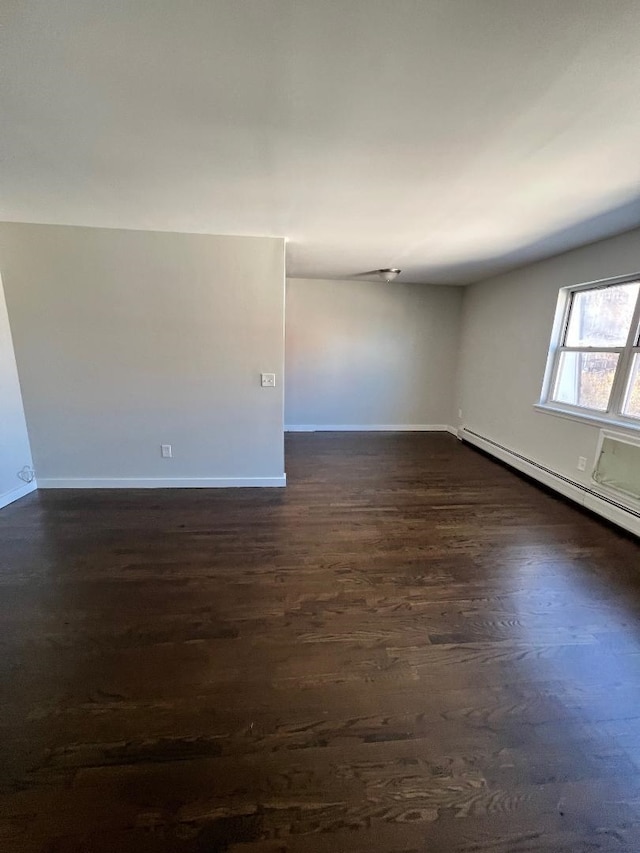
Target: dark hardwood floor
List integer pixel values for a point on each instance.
(408, 649)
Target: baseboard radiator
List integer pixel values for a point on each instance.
(604, 505)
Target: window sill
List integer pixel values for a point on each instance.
(587, 418)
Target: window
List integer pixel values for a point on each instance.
(594, 360)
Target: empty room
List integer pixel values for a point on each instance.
(319, 426)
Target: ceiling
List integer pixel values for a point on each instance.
(451, 138)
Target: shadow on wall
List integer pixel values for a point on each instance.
(617, 220)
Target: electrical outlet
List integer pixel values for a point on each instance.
(165, 451)
(460, 413)
(582, 463)
(268, 380)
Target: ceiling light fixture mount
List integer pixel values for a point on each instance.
(388, 275)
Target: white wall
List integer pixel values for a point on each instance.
(361, 353)
(506, 330)
(128, 339)
(15, 452)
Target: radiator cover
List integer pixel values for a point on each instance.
(617, 467)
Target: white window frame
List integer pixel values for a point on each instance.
(614, 414)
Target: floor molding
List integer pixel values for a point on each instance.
(162, 483)
(368, 428)
(15, 494)
(606, 507)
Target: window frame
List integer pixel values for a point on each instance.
(622, 379)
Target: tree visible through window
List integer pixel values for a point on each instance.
(597, 361)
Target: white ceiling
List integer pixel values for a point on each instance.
(452, 138)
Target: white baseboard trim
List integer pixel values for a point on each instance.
(162, 483)
(608, 508)
(15, 494)
(367, 428)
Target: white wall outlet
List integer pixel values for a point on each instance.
(460, 413)
(165, 451)
(268, 380)
(582, 463)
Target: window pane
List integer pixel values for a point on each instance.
(602, 318)
(632, 401)
(585, 379)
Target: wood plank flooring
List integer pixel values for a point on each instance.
(408, 650)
